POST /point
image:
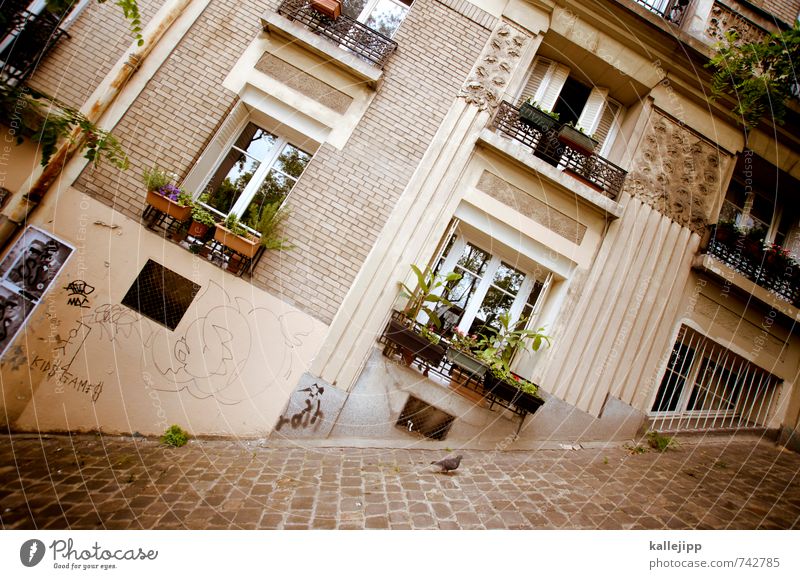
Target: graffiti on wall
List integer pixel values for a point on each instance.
(309, 414)
(79, 292)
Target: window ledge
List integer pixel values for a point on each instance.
(522, 155)
(720, 270)
(276, 24)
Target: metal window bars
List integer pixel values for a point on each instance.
(24, 39)
(669, 10)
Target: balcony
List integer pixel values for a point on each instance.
(768, 269)
(24, 39)
(669, 10)
(346, 32)
(593, 170)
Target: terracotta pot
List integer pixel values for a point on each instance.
(330, 8)
(161, 203)
(198, 230)
(244, 246)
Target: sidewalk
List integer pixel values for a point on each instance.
(94, 482)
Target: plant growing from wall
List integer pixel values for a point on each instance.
(175, 436)
(759, 76)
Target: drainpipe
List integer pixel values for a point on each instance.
(102, 98)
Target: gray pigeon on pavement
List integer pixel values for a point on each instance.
(448, 464)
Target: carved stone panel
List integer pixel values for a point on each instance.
(489, 77)
(531, 207)
(677, 172)
(722, 20)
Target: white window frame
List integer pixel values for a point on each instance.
(366, 12)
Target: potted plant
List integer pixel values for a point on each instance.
(272, 217)
(165, 196)
(778, 261)
(405, 332)
(235, 237)
(330, 8)
(726, 232)
(542, 119)
(202, 219)
(575, 138)
(461, 353)
(754, 244)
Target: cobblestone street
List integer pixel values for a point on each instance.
(93, 482)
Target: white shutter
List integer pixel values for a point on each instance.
(608, 126)
(551, 86)
(216, 149)
(535, 77)
(593, 110)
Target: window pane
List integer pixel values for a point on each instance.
(474, 259)
(508, 278)
(256, 142)
(292, 161)
(274, 189)
(386, 17)
(494, 304)
(230, 180)
(353, 8)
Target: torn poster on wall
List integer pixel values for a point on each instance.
(25, 274)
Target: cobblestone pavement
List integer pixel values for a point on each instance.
(122, 483)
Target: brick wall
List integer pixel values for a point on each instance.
(97, 39)
(344, 197)
(786, 10)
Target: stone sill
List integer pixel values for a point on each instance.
(279, 25)
(522, 155)
(720, 270)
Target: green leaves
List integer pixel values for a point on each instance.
(428, 284)
(760, 75)
(130, 9)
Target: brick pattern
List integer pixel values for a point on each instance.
(343, 199)
(475, 14)
(786, 10)
(97, 39)
(88, 482)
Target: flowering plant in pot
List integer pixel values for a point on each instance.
(165, 196)
(202, 219)
(778, 260)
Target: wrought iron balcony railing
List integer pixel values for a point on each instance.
(671, 10)
(344, 31)
(543, 141)
(747, 257)
(26, 38)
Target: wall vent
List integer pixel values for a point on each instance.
(421, 417)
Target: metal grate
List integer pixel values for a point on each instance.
(421, 417)
(25, 38)
(708, 387)
(669, 10)
(594, 169)
(161, 294)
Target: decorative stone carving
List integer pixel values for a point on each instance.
(489, 77)
(677, 172)
(722, 20)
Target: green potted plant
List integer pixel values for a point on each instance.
(233, 235)
(575, 138)
(542, 119)
(165, 196)
(726, 232)
(202, 219)
(269, 225)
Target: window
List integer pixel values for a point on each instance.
(260, 168)
(489, 287)
(550, 84)
(383, 16)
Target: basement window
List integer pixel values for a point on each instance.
(419, 416)
(161, 294)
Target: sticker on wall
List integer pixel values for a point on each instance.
(26, 272)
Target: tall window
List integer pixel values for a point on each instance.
(259, 169)
(383, 16)
(488, 287)
(551, 85)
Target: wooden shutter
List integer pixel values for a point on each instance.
(593, 110)
(218, 147)
(536, 75)
(608, 125)
(551, 86)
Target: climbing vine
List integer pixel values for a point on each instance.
(130, 9)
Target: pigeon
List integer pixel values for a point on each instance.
(448, 464)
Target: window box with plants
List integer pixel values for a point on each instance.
(233, 235)
(576, 139)
(202, 219)
(164, 195)
(544, 120)
(413, 339)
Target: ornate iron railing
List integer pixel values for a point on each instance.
(26, 39)
(345, 31)
(748, 258)
(671, 11)
(543, 141)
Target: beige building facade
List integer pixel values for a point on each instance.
(394, 135)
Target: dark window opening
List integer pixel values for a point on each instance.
(419, 416)
(161, 294)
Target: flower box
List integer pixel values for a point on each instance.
(413, 343)
(511, 394)
(577, 140)
(248, 247)
(537, 117)
(171, 208)
(330, 8)
(467, 363)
